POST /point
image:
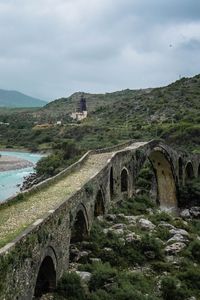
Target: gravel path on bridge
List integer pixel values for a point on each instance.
(15, 218)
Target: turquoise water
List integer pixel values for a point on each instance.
(10, 179)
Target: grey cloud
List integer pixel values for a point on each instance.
(51, 48)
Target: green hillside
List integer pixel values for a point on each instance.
(63, 106)
(17, 99)
(171, 113)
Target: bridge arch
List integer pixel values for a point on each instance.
(189, 171)
(99, 207)
(46, 275)
(180, 169)
(79, 226)
(165, 177)
(124, 180)
(111, 183)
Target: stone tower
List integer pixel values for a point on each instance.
(82, 105)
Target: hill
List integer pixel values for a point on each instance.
(17, 99)
(94, 101)
(171, 113)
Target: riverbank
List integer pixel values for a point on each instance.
(14, 149)
(25, 150)
(8, 163)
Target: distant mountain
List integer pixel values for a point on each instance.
(17, 99)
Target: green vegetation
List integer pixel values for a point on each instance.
(65, 154)
(170, 113)
(133, 264)
(139, 269)
(70, 286)
(191, 190)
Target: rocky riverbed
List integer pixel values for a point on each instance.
(8, 163)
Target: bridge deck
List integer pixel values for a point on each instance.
(16, 217)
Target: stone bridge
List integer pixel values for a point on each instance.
(37, 226)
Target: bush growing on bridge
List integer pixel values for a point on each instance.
(89, 188)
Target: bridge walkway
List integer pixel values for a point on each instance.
(18, 216)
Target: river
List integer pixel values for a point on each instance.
(9, 180)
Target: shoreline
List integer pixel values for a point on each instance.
(16, 150)
(8, 163)
(24, 150)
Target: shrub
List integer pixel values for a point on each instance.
(195, 226)
(137, 205)
(163, 233)
(144, 178)
(126, 286)
(102, 275)
(191, 278)
(160, 266)
(48, 165)
(161, 216)
(70, 286)
(100, 295)
(137, 282)
(171, 288)
(149, 243)
(190, 191)
(89, 188)
(194, 250)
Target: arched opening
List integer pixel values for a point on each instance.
(189, 172)
(145, 181)
(111, 183)
(46, 279)
(180, 169)
(166, 187)
(124, 181)
(99, 205)
(79, 230)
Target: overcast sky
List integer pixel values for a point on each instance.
(52, 48)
